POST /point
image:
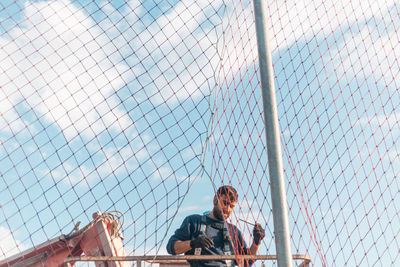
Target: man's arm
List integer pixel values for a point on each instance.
(258, 235)
(182, 234)
(182, 246)
(200, 242)
(254, 248)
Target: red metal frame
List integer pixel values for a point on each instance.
(99, 238)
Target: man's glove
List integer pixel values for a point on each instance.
(258, 233)
(202, 242)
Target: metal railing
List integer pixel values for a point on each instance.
(160, 258)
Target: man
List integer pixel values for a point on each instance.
(211, 235)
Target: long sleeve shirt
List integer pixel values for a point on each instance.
(191, 228)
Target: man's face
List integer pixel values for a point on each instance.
(223, 208)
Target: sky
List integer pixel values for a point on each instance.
(117, 105)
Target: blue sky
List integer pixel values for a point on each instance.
(112, 105)
(85, 127)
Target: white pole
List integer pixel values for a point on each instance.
(278, 191)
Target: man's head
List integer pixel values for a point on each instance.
(224, 202)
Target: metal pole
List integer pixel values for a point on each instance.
(278, 191)
(163, 258)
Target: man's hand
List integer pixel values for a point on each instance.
(258, 233)
(202, 242)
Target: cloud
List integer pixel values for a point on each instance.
(388, 122)
(8, 245)
(65, 66)
(131, 251)
(369, 51)
(176, 52)
(317, 18)
(331, 23)
(57, 64)
(162, 173)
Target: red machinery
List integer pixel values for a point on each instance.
(101, 237)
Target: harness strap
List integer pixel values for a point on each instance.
(203, 226)
(227, 239)
(227, 245)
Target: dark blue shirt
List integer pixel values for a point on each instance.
(190, 229)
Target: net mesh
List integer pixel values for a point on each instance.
(146, 107)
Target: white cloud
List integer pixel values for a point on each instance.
(131, 251)
(365, 54)
(387, 122)
(179, 50)
(191, 208)
(65, 66)
(8, 245)
(57, 63)
(162, 173)
(306, 20)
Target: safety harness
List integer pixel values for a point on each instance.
(227, 238)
